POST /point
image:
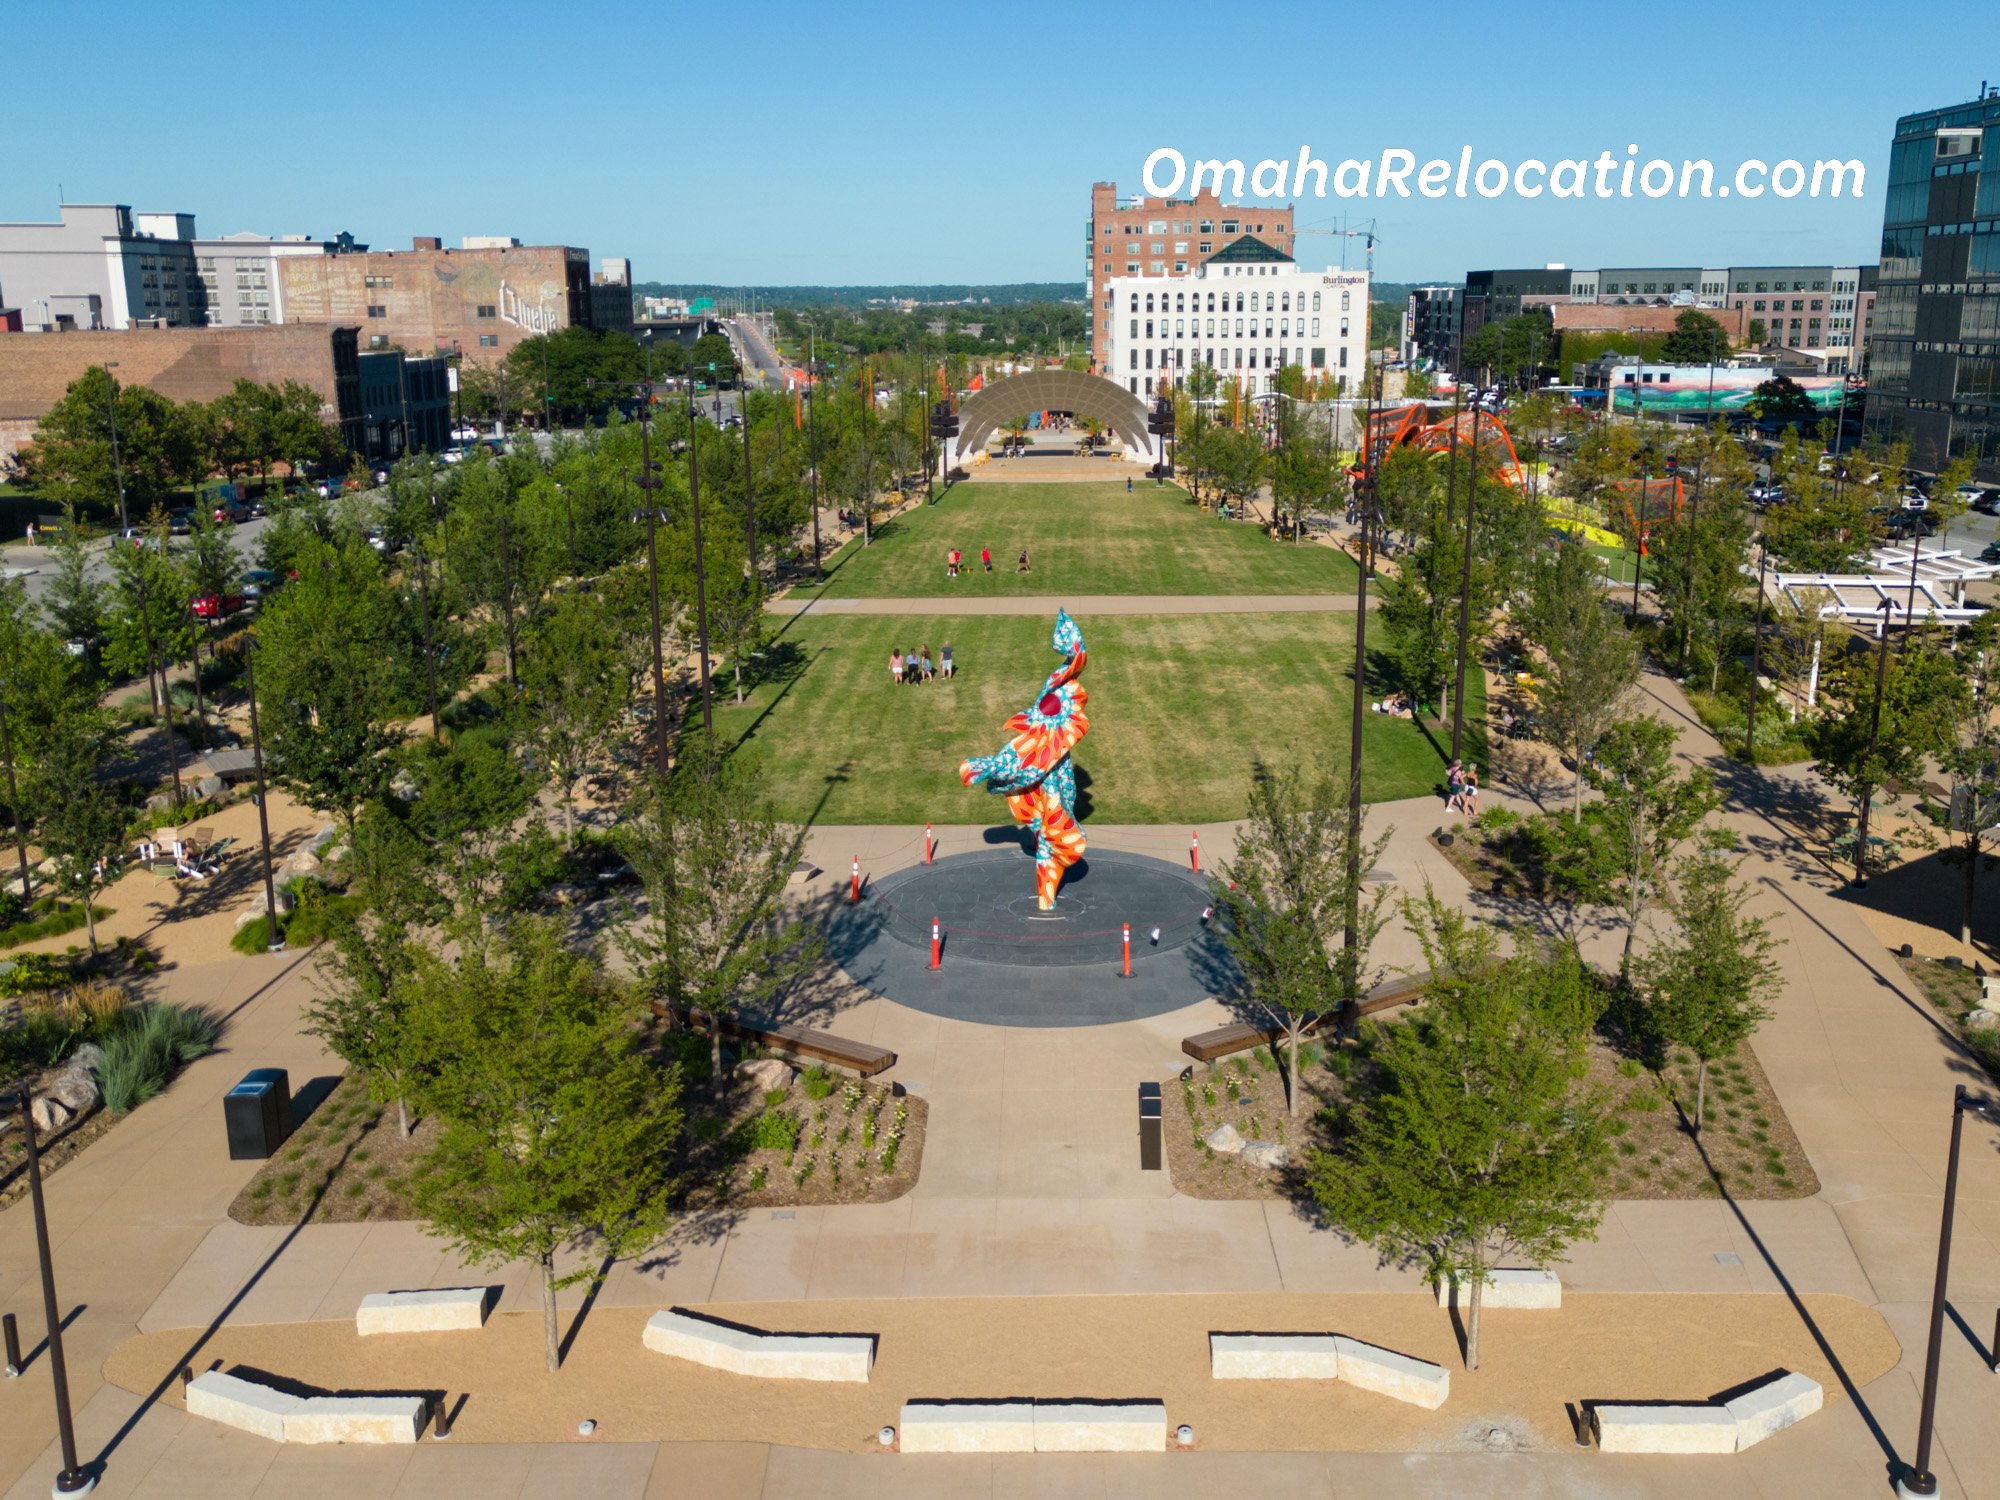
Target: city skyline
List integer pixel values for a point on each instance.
(922, 149)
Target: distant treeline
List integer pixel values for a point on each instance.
(856, 296)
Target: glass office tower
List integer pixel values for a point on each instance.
(1934, 367)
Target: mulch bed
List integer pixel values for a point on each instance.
(57, 1151)
(348, 1162)
(1750, 1149)
(1956, 993)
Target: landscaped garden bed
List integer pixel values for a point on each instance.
(1955, 991)
(1746, 1149)
(821, 1138)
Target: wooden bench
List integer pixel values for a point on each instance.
(1242, 1036)
(863, 1059)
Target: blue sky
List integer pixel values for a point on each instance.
(935, 142)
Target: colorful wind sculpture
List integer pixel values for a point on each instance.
(1033, 771)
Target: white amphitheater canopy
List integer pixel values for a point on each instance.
(1937, 593)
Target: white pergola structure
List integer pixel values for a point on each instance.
(1887, 594)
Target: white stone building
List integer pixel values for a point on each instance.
(1247, 312)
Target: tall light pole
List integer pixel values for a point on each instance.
(812, 438)
(700, 566)
(1465, 581)
(275, 941)
(1756, 654)
(117, 462)
(1874, 738)
(648, 481)
(1919, 1480)
(74, 1479)
(1368, 518)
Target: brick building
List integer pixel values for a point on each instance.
(479, 301)
(184, 364)
(1128, 237)
(1594, 317)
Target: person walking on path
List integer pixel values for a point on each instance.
(895, 667)
(944, 660)
(986, 558)
(31, 533)
(1128, 484)
(1469, 795)
(1454, 784)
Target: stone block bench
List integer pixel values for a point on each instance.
(1729, 1426)
(1328, 1356)
(285, 1418)
(748, 1351)
(1506, 1287)
(440, 1311)
(1033, 1427)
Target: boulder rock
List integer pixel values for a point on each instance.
(1224, 1138)
(89, 1055)
(1982, 1020)
(305, 862)
(766, 1073)
(567, 894)
(159, 802)
(1265, 1154)
(75, 1089)
(402, 788)
(326, 835)
(208, 786)
(48, 1114)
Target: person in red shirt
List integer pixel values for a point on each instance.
(986, 558)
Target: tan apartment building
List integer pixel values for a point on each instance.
(1162, 237)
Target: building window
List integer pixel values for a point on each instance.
(1229, 226)
(1135, 328)
(1180, 247)
(378, 341)
(486, 310)
(1318, 357)
(1206, 246)
(377, 310)
(1135, 359)
(1315, 328)
(486, 340)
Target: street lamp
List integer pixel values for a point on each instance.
(1645, 460)
(1874, 737)
(117, 464)
(648, 480)
(1756, 653)
(1465, 583)
(275, 940)
(700, 564)
(74, 1479)
(1369, 517)
(1919, 1480)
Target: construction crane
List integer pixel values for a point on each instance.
(1365, 232)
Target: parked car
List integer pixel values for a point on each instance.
(1990, 552)
(181, 522)
(1987, 503)
(257, 582)
(231, 513)
(218, 606)
(1900, 525)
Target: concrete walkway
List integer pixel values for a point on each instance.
(1029, 1186)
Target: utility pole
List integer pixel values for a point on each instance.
(276, 939)
(74, 1479)
(1465, 582)
(649, 481)
(700, 568)
(812, 438)
(1756, 655)
(117, 462)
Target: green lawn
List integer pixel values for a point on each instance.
(1181, 708)
(1082, 539)
(1617, 561)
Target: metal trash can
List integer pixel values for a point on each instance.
(1150, 1139)
(257, 1114)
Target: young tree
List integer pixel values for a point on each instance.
(1283, 903)
(82, 821)
(1697, 339)
(576, 681)
(556, 1126)
(1706, 987)
(1619, 851)
(1972, 760)
(362, 1010)
(73, 458)
(1476, 1145)
(715, 936)
(321, 684)
(75, 601)
(1922, 698)
(1592, 661)
(499, 558)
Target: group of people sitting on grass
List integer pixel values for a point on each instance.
(916, 666)
(1396, 704)
(954, 561)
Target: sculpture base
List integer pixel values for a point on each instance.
(1006, 962)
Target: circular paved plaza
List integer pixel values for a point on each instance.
(1008, 963)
